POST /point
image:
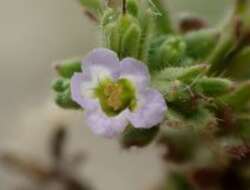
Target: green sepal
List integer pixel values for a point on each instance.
(201, 43)
(138, 137)
(67, 68)
(131, 41)
(133, 7)
(239, 98)
(60, 85)
(212, 87)
(64, 100)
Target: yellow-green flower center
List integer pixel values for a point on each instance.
(115, 96)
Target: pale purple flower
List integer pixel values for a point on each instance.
(115, 94)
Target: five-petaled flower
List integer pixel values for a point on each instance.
(115, 94)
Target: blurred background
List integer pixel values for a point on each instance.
(33, 35)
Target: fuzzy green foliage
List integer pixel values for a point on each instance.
(203, 76)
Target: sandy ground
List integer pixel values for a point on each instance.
(33, 34)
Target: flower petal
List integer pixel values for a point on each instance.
(150, 111)
(135, 71)
(106, 126)
(101, 63)
(81, 91)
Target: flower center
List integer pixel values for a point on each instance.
(113, 92)
(115, 96)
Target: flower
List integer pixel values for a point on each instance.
(115, 94)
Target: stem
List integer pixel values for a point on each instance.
(124, 6)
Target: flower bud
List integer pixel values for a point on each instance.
(192, 73)
(172, 51)
(65, 101)
(184, 74)
(67, 68)
(60, 85)
(201, 43)
(112, 38)
(167, 51)
(123, 36)
(147, 27)
(213, 86)
(131, 41)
